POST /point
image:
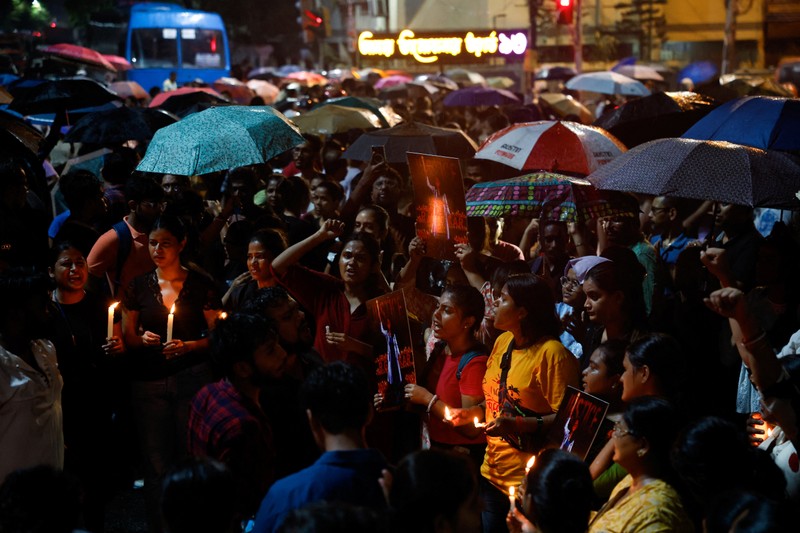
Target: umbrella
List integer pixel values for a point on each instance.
(266, 90)
(365, 72)
(607, 82)
(466, 77)
(6, 79)
(562, 147)
(439, 81)
(330, 119)
(500, 82)
(409, 90)
(758, 86)
(5, 96)
(285, 70)
(59, 95)
(308, 78)
(79, 54)
(412, 137)
(118, 62)
(188, 100)
(18, 136)
(639, 72)
(699, 72)
(372, 105)
(220, 138)
(116, 126)
(161, 98)
(129, 89)
(391, 81)
(705, 170)
(543, 195)
(656, 116)
(759, 121)
(555, 73)
(238, 91)
(263, 73)
(564, 106)
(480, 96)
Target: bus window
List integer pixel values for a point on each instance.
(154, 48)
(202, 48)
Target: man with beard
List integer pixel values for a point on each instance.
(226, 421)
(294, 445)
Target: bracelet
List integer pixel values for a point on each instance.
(749, 343)
(430, 403)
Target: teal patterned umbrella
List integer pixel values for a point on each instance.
(220, 138)
(545, 195)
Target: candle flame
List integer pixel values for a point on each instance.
(447, 414)
(223, 315)
(530, 464)
(172, 309)
(113, 306)
(511, 491)
(478, 423)
(769, 432)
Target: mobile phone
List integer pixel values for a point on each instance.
(378, 155)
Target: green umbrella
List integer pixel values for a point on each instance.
(361, 102)
(220, 138)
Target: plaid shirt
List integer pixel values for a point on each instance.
(228, 427)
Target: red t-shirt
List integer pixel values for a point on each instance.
(449, 389)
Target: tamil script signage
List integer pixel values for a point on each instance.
(429, 47)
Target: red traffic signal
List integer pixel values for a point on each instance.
(311, 19)
(564, 10)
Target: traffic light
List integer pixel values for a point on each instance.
(564, 11)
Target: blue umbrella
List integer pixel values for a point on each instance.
(220, 138)
(479, 96)
(5, 79)
(699, 72)
(759, 121)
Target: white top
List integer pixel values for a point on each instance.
(31, 428)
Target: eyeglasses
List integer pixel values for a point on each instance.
(618, 432)
(571, 284)
(657, 209)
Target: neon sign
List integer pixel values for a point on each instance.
(429, 48)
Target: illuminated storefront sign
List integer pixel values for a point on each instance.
(431, 47)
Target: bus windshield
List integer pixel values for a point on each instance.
(154, 48)
(201, 48)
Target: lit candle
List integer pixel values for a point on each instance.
(223, 315)
(511, 492)
(528, 466)
(111, 319)
(769, 432)
(478, 423)
(447, 414)
(170, 321)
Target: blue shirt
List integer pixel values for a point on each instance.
(344, 476)
(669, 255)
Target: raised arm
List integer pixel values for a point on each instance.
(329, 230)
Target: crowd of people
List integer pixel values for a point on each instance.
(210, 335)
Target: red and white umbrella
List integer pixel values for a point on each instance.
(554, 146)
(79, 54)
(119, 62)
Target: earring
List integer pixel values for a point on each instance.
(640, 452)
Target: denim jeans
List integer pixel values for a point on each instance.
(495, 508)
(161, 408)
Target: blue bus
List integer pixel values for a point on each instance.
(163, 38)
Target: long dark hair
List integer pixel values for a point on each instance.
(561, 491)
(664, 358)
(656, 420)
(532, 293)
(624, 274)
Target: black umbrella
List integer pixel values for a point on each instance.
(186, 104)
(115, 126)
(705, 170)
(55, 96)
(413, 137)
(657, 116)
(17, 136)
(555, 73)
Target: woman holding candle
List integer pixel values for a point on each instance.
(644, 500)
(454, 373)
(166, 373)
(86, 338)
(526, 377)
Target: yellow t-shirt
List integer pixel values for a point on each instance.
(538, 377)
(654, 508)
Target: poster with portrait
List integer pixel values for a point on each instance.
(393, 346)
(440, 207)
(577, 422)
